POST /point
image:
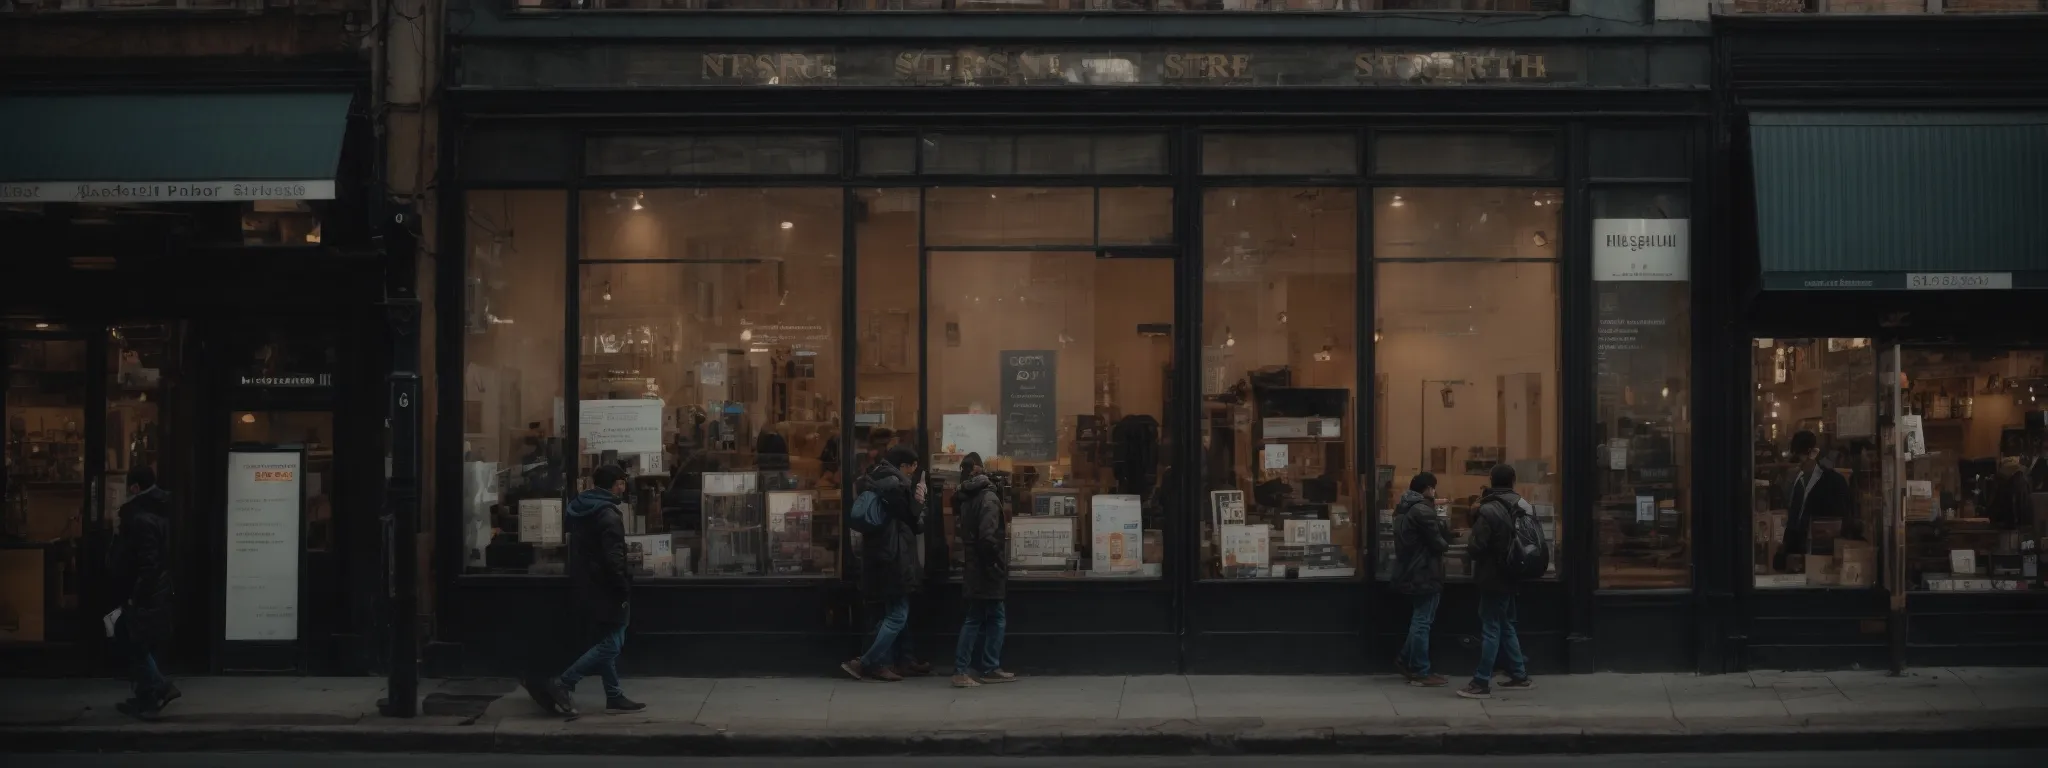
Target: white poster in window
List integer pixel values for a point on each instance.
(1305, 532)
(730, 482)
(540, 522)
(652, 555)
(1646, 509)
(1041, 541)
(1914, 435)
(263, 546)
(1963, 562)
(711, 373)
(1119, 536)
(1642, 250)
(1276, 456)
(1246, 545)
(1229, 507)
(626, 426)
(970, 433)
(1617, 453)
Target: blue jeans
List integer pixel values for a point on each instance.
(1415, 652)
(1497, 636)
(147, 680)
(981, 638)
(602, 660)
(892, 644)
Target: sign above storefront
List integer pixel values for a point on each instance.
(1642, 250)
(1905, 281)
(162, 191)
(1028, 66)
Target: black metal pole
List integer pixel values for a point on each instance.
(402, 482)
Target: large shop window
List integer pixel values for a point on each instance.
(1977, 475)
(1466, 285)
(708, 340)
(513, 452)
(1818, 488)
(1642, 378)
(1279, 383)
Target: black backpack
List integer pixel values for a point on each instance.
(1528, 555)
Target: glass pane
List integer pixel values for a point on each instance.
(138, 357)
(712, 155)
(888, 155)
(1016, 216)
(312, 432)
(512, 413)
(1063, 395)
(1311, 154)
(1642, 376)
(970, 154)
(46, 485)
(1817, 470)
(1636, 153)
(1465, 154)
(1056, 154)
(1279, 384)
(1977, 497)
(1468, 355)
(730, 356)
(1144, 153)
(1136, 215)
(886, 393)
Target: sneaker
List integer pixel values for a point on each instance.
(1519, 685)
(852, 668)
(563, 696)
(884, 675)
(170, 694)
(1430, 681)
(1476, 691)
(620, 705)
(1404, 670)
(998, 676)
(965, 681)
(143, 712)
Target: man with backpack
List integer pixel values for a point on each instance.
(888, 514)
(1507, 548)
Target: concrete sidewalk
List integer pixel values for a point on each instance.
(1067, 715)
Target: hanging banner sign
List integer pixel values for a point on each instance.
(162, 191)
(1642, 250)
(263, 545)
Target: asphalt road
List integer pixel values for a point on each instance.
(1892, 759)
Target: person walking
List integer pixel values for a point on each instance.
(604, 588)
(1419, 546)
(890, 570)
(984, 579)
(142, 592)
(1493, 537)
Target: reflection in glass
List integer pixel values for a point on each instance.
(512, 410)
(1466, 284)
(718, 330)
(1265, 154)
(1827, 389)
(1279, 368)
(46, 490)
(1979, 492)
(1465, 154)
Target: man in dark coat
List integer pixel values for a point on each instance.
(1419, 547)
(1818, 493)
(890, 570)
(604, 588)
(1493, 536)
(986, 575)
(142, 591)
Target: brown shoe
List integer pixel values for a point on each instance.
(1476, 691)
(915, 669)
(1430, 681)
(964, 681)
(884, 675)
(852, 668)
(998, 676)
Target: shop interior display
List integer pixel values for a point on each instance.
(1829, 387)
(41, 518)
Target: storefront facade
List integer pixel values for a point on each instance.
(1205, 303)
(1887, 224)
(191, 289)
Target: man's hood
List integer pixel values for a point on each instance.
(972, 487)
(589, 502)
(1411, 498)
(1508, 498)
(155, 500)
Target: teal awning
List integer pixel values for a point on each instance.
(171, 146)
(1901, 200)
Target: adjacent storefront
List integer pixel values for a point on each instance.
(1203, 307)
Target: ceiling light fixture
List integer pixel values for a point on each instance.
(1396, 202)
(789, 225)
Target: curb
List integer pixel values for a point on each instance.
(697, 741)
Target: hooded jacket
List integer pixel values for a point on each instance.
(889, 564)
(982, 536)
(604, 585)
(1492, 534)
(1419, 546)
(140, 566)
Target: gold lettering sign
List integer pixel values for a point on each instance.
(771, 68)
(976, 67)
(1449, 67)
(1209, 67)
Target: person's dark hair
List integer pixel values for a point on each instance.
(1503, 476)
(1422, 480)
(142, 477)
(900, 456)
(970, 462)
(606, 476)
(1802, 441)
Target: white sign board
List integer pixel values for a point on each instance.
(540, 522)
(1041, 541)
(970, 433)
(162, 191)
(1646, 509)
(1246, 545)
(1119, 537)
(627, 426)
(263, 546)
(1642, 250)
(1915, 435)
(1229, 506)
(1305, 532)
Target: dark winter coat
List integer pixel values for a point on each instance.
(1493, 534)
(140, 567)
(597, 560)
(1419, 546)
(1832, 499)
(890, 567)
(982, 536)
